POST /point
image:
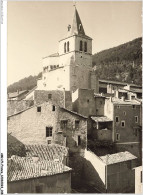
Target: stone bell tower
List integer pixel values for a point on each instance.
(75, 54)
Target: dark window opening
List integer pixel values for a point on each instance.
(79, 140)
(80, 48)
(136, 119)
(38, 109)
(87, 101)
(77, 124)
(64, 124)
(49, 131)
(49, 96)
(118, 106)
(123, 123)
(65, 47)
(117, 136)
(85, 46)
(124, 113)
(117, 119)
(49, 141)
(68, 46)
(53, 108)
(133, 106)
(39, 189)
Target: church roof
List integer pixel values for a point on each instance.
(77, 27)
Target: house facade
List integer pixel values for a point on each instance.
(49, 124)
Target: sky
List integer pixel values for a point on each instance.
(34, 29)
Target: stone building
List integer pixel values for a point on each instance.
(48, 124)
(35, 175)
(19, 95)
(112, 173)
(71, 67)
(127, 122)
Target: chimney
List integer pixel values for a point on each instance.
(35, 159)
(123, 98)
(110, 99)
(117, 94)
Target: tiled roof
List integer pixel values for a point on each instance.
(101, 119)
(75, 113)
(21, 168)
(117, 157)
(117, 82)
(52, 55)
(126, 102)
(16, 94)
(49, 152)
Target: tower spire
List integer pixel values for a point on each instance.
(77, 27)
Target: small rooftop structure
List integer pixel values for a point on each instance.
(101, 119)
(16, 94)
(117, 157)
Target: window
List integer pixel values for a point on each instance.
(133, 106)
(68, 46)
(85, 46)
(87, 101)
(38, 109)
(49, 96)
(122, 123)
(53, 108)
(76, 124)
(64, 124)
(79, 140)
(118, 106)
(65, 47)
(49, 131)
(124, 113)
(80, 48)
(117, 119)
(117, 136)
(136, 119)
(49, 142)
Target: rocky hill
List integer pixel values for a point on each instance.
(121, 63)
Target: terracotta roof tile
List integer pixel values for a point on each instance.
(117, 157)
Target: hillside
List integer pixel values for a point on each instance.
(121, 63)
(24, 84)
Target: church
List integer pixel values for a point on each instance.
(71, 68)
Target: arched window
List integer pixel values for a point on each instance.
(85, 46)
(68, 46)
(80, 46)
(65, 47)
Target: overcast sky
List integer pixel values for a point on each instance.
(34, 29)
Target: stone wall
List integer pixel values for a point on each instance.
(30, 126)
(61, 98)
(59, 183)
(14, 106)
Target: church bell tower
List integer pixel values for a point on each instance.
(75, 54)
